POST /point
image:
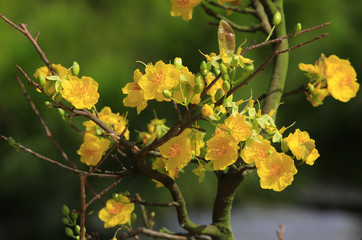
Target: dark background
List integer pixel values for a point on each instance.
(107, 38)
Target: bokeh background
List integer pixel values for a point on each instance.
(107, 38)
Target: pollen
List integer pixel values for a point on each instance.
(158, 78)
(174, 151)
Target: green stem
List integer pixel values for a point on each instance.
(280, 69)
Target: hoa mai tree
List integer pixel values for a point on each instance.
(245, 136)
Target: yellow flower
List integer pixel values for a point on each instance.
(302, 146)
(187, 84)
(183, 8)
(240, 129)
(222, 150)
(61, 71)
(341, 78)
(314, 72)
(276, 172)
(257, 152)
(92, 149)
(207, 110)
(114, 121)
(116, 213)
(158, 78)
(135, 93)
(81, 93)
(177, 151)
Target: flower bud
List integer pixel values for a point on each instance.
(167, 94)
(116, 197)
(75, 68)
(198, 88)
(42, 80)
(223, 69)
(57, 97)
(77, 229)
(297, 28)
(198, 78)
(277, 18)
(310, 88)
(219, 93)
(226, 86)
(178, 63)
(203, 68)
(69, 232)
(74, 215)
(65, 210)
(65, 221)
(217, 71)
(133, 218)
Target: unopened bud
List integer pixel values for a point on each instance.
(198, 88)
(75, 68)
(42, 80)
(277, 18)
(297, 28)
(226, 86)
(133, 218)
(116, 197)
(178, 63)
(203, 68)
(167, 94)
(198, 78)
(223, 69)
(69, 232)
(65, 210)
(77, 229)
(65, 221)
(219, 93)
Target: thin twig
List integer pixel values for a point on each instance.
(234, 9)
(302, 44)
(145, 203)
(47, 131)
(83, 180)
(99, 195)
(280, 231)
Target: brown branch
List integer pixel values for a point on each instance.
(302, 44)
(47, 131)
(280, 231)
(286, 36)
(37, 155)
(99, 195)
(83, 180)
(145, 203)
(234, 9)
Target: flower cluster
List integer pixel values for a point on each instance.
(162, 82)
(330, 75)
(94, 143)
(80, 92)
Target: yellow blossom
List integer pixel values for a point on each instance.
(177, 151)
(92, 149)
(302, 146)
(276, 172)
(113, 120)
(240, 129)
(341, 78)
(183, 8)
(116, 213)
(187, 85)
(317, 96)
(135, 96)
(207, 110)
(222, 150)
(159, 77)
(257, 152)
(81, 93)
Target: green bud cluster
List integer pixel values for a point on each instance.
(69, 219)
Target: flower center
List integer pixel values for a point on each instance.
(221, 150)
(276, 170)
(81, 90)
(174, 150)
(261, 154)
(182, 3)
(158, 77)
(115, 208)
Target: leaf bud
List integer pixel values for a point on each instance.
(178, 63)
(219, 93)
(69, 232)
(198, 78)
(75, 68)
(42, 80)
(297, 28)
(223, 69)
(65, 210)
(277, 18)
(198, 88)
(226, 86)
(167, 94)
(116, 197)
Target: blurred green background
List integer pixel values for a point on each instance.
(107, 38)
